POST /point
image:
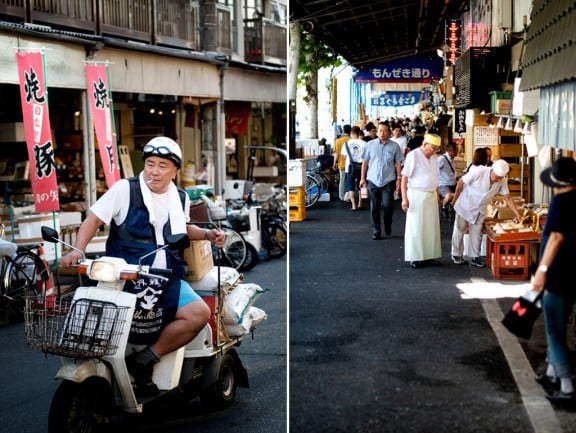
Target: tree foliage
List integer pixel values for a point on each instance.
(314, 56)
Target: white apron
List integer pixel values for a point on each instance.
(422, 234)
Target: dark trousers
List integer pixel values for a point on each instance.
(381, 197)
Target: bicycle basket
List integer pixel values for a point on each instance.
(82, 328)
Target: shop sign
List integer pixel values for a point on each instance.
(417, 69)
(453, 40)
(100, 101)
(36, 119)
(396, 99)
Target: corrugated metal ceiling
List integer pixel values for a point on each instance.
(373, 31)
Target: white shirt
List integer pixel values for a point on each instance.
(447, 174)
(356, 147)
(402, 141)
(115, 203)
(477, 193)
(422, 172)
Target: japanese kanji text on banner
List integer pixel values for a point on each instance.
(100, 106)
(36, 120)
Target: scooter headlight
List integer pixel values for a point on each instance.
(102, 271)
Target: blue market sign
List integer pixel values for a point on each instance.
(396, 99)
(417, 69)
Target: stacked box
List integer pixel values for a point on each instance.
(297, 196)
(511, 260)
(297, 213)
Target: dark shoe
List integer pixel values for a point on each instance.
(559, 397)
(417, 265)
(376, 237)
(459, 260)
(479, 263)
(549, 384)
(432, 262)
(142, 375)
(388, 230)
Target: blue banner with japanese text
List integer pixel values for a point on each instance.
(396, 99)
(417, 69)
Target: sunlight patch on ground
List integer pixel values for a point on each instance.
(485, 290)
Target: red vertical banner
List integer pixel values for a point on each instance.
(34, 98)
(100, 100)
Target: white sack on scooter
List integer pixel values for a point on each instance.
(251, 320)
(237, 302)
(229, 277)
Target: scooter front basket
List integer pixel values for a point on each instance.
(81, 328)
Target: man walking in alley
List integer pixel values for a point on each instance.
(381, 165)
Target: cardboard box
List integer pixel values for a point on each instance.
(198, 256)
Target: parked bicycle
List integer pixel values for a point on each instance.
(319, 180)
(236, 252)
(23, 273)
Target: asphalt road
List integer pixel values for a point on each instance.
(376, 346)
(27, 384)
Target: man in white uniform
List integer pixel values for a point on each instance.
(420, 202)
(474, 191)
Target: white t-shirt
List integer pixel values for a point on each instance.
(356, 147)
(402, 142)
(115, 203)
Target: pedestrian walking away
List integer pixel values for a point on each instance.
(340, 160)
(422, 243)
(381, 165)
(554, 275)
(447, 178)
(353, 149)
(474, 191)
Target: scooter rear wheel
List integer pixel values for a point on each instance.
(222, 393)
(82, 407)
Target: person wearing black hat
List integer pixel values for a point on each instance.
(554, 275)
(142, 211)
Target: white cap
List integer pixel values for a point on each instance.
(500, 168)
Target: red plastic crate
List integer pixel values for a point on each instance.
(511, 260)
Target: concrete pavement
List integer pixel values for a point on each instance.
(362, 261)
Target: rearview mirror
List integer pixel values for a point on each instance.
(49, 234)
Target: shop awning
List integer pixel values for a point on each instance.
(549, 64)
(550, 51)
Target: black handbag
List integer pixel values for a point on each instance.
(522, 316)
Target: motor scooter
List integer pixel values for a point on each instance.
(90, 331)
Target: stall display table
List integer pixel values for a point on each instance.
(509, 253)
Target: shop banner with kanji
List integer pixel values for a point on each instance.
(34, 98)
(100, 101)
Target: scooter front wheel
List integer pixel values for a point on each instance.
(82, 407)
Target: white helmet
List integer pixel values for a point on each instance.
(163, 147)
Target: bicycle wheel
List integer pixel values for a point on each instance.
(26, 275)
(276, 240)
(233, 250)
(312, 190)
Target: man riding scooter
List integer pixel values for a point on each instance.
(142, 211)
